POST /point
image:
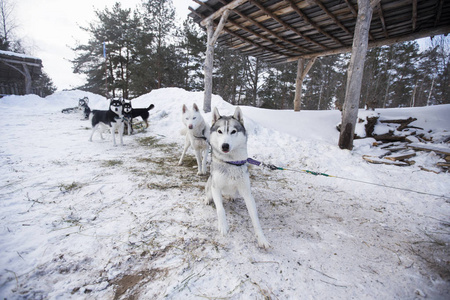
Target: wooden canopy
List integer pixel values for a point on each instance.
(16, 67)
(280, 31)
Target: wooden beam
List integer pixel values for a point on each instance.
(220, 27)
(414, 15)
(355, 74)
(383, 23)
(352, 8)
(439, 12)
(301, 74)
(248, 41)
(379, 43)
(262, 37)
(333, 17)
(312, 23)
(284, 24)
(257, 24)
(219, 12)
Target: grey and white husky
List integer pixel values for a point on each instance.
(229, 174)
(197, 136)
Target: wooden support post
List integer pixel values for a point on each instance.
(28, 80)
(209, 61)
(355, 73)
(301, 74)
(212, 37)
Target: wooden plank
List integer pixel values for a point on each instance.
(379, 43)
(284, 24)
(313, 24)
(377, 160)
(442, 149)
(274, 34)
(333, 17)
(383, 23)
(401, 156)
(219, 12)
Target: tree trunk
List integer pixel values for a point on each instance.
(355, 74)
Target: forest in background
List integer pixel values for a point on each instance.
(146, 48)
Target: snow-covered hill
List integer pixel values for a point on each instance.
(86, 220)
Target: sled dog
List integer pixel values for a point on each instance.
(128, 116)
(197, 136)
(229, 174)
(84, 107)
(112, 118)
(142, 112)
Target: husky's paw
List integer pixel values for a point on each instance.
(223, 228)
(263, 243)
(207, 201)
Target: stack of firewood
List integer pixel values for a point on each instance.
(403, 143)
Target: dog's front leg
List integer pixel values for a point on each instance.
(92, 134)
(113, 133)
(198, 157)
(121, 128)
(204, 160)
(246, 193)
(186, 146)
(221, 218)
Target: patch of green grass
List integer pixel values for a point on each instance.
(149, 141)
(112, 163)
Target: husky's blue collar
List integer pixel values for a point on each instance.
(243, 162)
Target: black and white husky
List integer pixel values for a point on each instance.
(112, 119)
(83, 105)
(131, 113)
(229, 173)
(197, 136)
(128, 116)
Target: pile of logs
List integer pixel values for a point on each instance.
(401, 148)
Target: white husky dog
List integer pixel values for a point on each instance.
(229, 173)
(197, 135)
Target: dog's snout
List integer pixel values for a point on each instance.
(191, 126)
(225, 147)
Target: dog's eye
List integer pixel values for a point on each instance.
(234, 131)
(194, 118)
(219, 131)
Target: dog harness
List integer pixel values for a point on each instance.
(203, 137)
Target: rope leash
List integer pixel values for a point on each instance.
(273, 168)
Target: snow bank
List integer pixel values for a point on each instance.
(83, 220)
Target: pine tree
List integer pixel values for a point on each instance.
(117, 28)
(192, 47)
(158, 19)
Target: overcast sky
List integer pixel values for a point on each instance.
(50, 27)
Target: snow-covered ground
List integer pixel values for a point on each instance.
(86, 220)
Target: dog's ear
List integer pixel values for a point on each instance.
(195, 107)
(238, 115)
(215, 116)
(184, 108)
